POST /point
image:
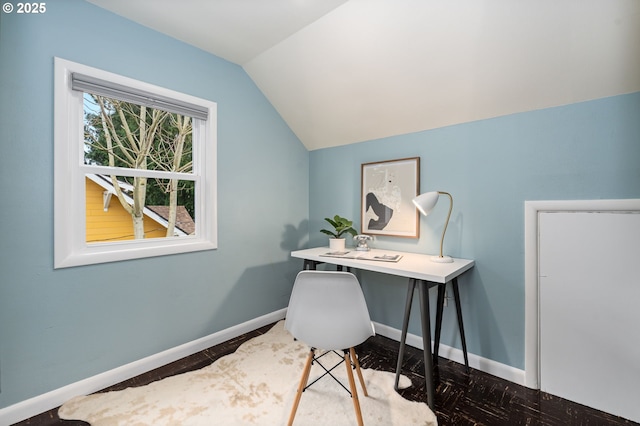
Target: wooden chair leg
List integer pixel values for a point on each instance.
(303, 383)
(357, 364)
(354, 391)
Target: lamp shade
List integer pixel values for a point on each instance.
(426, 202)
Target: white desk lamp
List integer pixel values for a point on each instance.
(425, 203)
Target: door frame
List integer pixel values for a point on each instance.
(532, 209)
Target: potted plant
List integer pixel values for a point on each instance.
(340, 227)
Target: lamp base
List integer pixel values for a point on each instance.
(442, 259)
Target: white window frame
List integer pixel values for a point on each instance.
(70, 246)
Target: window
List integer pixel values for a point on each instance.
(135, 169)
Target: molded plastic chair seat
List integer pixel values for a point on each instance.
(327, 310)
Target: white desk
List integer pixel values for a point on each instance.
(422, 272)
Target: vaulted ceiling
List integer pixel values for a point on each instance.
(345, 71)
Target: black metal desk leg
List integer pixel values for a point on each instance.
(405, 326)
(426, 341)
(456, 295)
(439, 309)
(309, 264)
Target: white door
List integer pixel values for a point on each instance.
(589, 278)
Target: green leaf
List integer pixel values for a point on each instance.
(333, 223)
(331, 234)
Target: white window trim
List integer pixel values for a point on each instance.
(70, 247)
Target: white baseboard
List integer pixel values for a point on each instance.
(489, 366)
(45, 402)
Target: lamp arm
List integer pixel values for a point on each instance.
(447, 222)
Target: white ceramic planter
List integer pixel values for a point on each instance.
(336, 244)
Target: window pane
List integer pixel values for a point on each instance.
(138, 208)
(123, 134)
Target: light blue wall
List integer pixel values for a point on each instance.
(589, 150)
(61, 326)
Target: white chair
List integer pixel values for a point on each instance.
(327, 310)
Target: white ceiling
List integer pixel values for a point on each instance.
(341, 71)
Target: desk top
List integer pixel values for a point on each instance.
(410, 265)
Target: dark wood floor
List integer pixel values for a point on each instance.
(462, 398)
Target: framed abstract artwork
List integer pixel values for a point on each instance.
(387, 190)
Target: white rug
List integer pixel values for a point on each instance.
(255, 385)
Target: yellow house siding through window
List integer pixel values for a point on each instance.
(115, 224)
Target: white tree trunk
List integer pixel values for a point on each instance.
(139, 196)
(173, 207)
